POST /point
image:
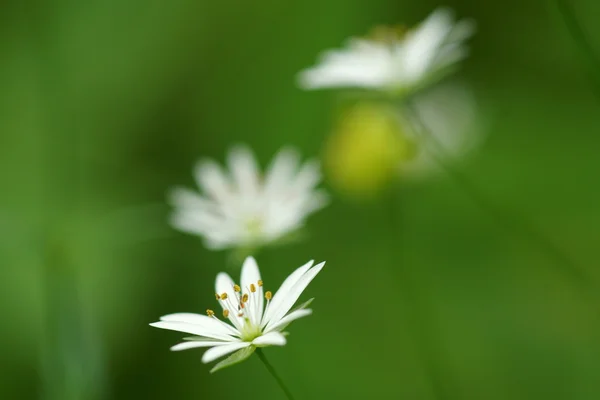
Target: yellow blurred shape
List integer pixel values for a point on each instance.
(365, 150)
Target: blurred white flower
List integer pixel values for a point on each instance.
(444, 124)
(243, 209)
(375, 142)
(253, 324)
(393, 61)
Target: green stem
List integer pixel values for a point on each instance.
(272, 371)
(418, 306)
(586, 50)
(511, 221)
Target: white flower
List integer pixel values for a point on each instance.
(396, 63)
(444, 124)
(243, 209)
(253, 323)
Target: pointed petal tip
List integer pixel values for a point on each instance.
(319, 266)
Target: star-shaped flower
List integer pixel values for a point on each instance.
(257, 318)
(394, 60)
(244, 209)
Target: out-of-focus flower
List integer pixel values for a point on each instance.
(376, 142)
(253, 323)
(243, 209)
(446, 125)
(365, 149)
(393, 60)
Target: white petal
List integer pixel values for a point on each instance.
(294, 315)
(289, 282)
(220, 351)
(250, 273)
(291, 296)
(308, 176)
(191, 328)
(192, 344)
(188, 199)
(462, 31)
(224, 284)
(211, 178)
(251, 276)
(202, 320)
(270, 339)
(362, 63)
(244, 170)
(281, 171)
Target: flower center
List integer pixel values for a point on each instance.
(254, 226)
(244, 310)
(387, 34)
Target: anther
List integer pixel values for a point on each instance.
(217, 296)
(224, 296)
(236, 288)
(260, 283)
(268, 295)
(245, 298)
(252, 288)
(240, 314)
(210, 313)
(226, 313)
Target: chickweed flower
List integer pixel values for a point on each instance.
(243, 209)
(394, 60)
(257, 317)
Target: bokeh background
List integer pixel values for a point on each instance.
(107, 104)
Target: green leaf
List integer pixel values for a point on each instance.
(235, 358)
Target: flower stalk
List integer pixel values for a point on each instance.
(418, 313)
(274, 374)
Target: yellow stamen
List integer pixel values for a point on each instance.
(268, 295)
(260, 283)
(224, 296)
(236, 288)
(252, 288)
(217, 296)
(226, 313)
(245, 298)
(210, 313)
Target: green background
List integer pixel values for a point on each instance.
(108, 103)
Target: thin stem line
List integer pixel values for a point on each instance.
(503, 216)
(586, 50)
(272, 371)
(418, 306)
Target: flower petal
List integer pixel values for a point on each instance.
(250, 273)
(224, 284)
(282, 323)
(289, 282)
(203, 320)
(251, 276)
(220, 351)
(270, 339)
(287, 299)
(211, 178)
(244, 170)
(281, 171)
(192, 328)
(188, 199)
(196, 343)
